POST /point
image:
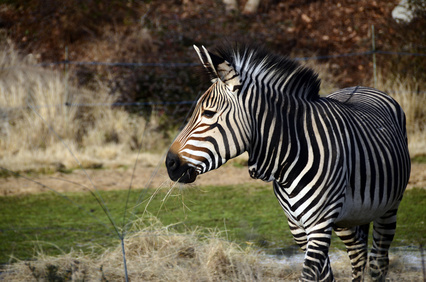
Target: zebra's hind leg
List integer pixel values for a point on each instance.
(383, 233)
(356, 242)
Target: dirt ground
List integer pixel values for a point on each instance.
(120, 178)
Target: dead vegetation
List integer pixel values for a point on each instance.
(157, 253)
(413, 101)
(47, 122)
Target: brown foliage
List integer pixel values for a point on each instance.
(164, 31)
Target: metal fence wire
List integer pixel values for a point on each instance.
(183, 65)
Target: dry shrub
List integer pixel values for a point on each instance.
(25, 91)
(413, 102)
(38, 120)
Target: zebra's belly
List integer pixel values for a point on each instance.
(355, 212)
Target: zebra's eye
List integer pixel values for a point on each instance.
(208, 114)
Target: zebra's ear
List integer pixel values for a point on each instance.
(219, 68)
(206, 59)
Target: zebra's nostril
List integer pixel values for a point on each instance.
(171, 164)
(172, 161)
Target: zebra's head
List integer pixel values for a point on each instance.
(214, 133)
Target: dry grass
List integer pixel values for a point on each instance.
(35, 121)
(157, 253)
(413, 102)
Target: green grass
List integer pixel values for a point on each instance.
(247, 214)
(419, 159)
(411, 228)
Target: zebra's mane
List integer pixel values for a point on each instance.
(299, 80)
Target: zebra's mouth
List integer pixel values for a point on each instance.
(178, 171)
(188, 176)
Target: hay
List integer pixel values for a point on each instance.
(157, 253)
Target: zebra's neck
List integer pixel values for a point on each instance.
(277, 137)
(277, 106)
(275, 91)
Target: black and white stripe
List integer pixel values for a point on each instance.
(338, 162)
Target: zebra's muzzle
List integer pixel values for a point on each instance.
(178, 171)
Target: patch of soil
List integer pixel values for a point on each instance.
(119, 179)
(418, 176)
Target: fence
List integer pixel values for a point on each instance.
(183, 65)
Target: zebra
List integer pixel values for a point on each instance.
(337, 163)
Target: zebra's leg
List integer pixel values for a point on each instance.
(299, 234)
(356, 242)
(316, 266)
(383, 233)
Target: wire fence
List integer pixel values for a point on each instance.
(183, 65)
(179, 65)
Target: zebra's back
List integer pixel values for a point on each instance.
(365, 101)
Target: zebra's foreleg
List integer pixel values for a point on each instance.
(383, 233)
(316, 266)
(356, 241)
(299, 234)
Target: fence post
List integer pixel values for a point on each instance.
(66, 89)
(423, 262)
(373, 43)
(66, 73)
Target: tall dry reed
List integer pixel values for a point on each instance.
(38, 115)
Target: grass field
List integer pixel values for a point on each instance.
(50, 224)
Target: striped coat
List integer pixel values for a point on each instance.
(338, 162)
